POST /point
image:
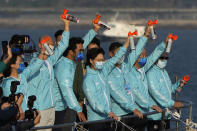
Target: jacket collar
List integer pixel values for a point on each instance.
(91, 71)
(157, 68)
(68, 60)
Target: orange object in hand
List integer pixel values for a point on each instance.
(96, 20)
(133, 33)
(173, 37)
(130, 34)
(64, 15)
(152, 22)
(69, 17)
(45, 40)
(186, 78)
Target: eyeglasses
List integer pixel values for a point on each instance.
(163, 58)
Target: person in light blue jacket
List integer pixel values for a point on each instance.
(122, 99)
(66, 102)
(96, 88)
(16, 71)
(161, 89)
(42, 82)
(137, 80)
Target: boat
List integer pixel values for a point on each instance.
(120, 29)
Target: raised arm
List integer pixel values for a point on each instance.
(4, 62)
(59, 50)
(153, 57)
(133, 56)
(90, 35)
(111, 62)
(32, 68)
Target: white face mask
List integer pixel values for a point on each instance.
(51, 47)
(121, 60)
(99, 65)
(162, 63)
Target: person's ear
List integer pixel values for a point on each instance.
(91, 61)
(12, 66)
(111, 54)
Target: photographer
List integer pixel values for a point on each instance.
(10, 112)
(4, 62)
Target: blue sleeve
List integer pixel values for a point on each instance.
(110, 64)
(172, 86)
(157, 96)
(32, 68)
(133, 56)
(2, 67)
(95, 99)
(65, 83)
(59, 50)
(88, 38)
(175, 86)
(153, 57)
(141, 100)
(121, 97)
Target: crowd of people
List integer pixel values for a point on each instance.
(78, 84)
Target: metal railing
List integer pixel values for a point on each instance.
(187, 104)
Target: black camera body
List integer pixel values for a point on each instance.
(29, 114)
(13, 88)
(17, 43)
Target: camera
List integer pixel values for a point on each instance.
(13, 88)
(29, 114)
(17, 43)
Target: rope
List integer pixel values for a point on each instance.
(192, 125)
(130, 128)
(176, 116)
(79, 127)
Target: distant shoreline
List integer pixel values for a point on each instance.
(34, 18)
(41, 23)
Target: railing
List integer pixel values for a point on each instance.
(187, 104)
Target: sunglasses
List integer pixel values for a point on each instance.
(163, 58)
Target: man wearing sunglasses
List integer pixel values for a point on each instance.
(160, 90)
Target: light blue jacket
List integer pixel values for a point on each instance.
(160, 89)
(42, 82)
(64, 75)
(96, 88)
(122, 99)
(138, 81)
(23, 87)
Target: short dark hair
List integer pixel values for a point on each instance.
(73, 44)
(95, 41)
(7, 71)
(57, 33)
(92, 54)
(114, 46)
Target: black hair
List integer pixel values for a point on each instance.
(92, 54)
(73, 44)
(114, 46)
(57, 33)
(7, 71)
(95, 41)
